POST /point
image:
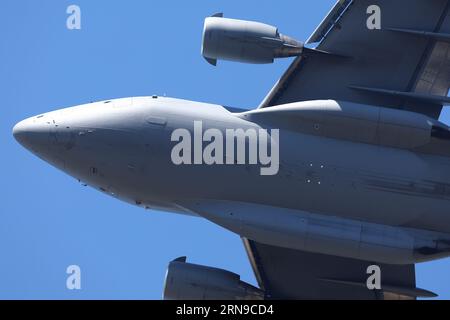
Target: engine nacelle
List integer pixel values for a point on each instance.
(245, 41)
(185, 281)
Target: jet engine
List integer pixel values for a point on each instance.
(185, 281)
(245, 41)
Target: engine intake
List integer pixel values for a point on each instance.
(245, 41)
(185, 281)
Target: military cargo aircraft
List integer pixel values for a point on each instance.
(343, 168)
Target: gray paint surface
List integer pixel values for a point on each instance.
(358, 168)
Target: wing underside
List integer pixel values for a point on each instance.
(404, 65)
(291, 274)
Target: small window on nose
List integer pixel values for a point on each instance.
(94, 171)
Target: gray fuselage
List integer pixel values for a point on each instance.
(123, 147)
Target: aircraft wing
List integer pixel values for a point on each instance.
(291, 274)
(405, 64)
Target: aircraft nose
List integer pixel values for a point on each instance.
(31, 133)
(20, 132)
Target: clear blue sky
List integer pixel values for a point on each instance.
(125, 48)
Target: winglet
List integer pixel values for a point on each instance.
(217, 15)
